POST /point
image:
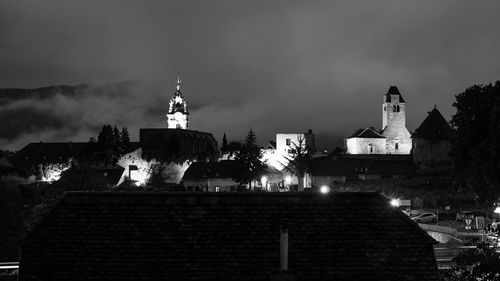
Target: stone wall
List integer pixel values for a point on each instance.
(366, 146)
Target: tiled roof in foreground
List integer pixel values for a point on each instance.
(225, 236)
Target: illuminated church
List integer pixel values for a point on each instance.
(393, 138)
(169, 151)
(177, 116)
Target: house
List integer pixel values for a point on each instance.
(351, 167)
(226, 236)
(219, 176)
(431, 145)
(277, 154)
(211, 176)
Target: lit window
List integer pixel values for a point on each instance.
(217, 188)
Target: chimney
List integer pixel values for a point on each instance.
(283, 274)
(284, 247)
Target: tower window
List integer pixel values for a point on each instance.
(397, 108)
(397, 146)
(385, 109)
(393, 108)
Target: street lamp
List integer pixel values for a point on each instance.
(395, 202)
(324, 189)
(263, 180)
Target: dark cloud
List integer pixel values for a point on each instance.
(275, 66)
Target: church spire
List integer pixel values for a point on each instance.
(177, 115)
(178, 83)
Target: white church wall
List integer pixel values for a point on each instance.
(366, 146)
(399, 145)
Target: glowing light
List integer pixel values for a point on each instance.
(288, 179)
(324, 189)
(497, 210)
(263, 180)
(395, 202)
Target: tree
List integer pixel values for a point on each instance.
(299, 162)
(249, 160)
(475, 144)
(124, 140)
(481, 263)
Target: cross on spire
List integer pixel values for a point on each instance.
(178, 83)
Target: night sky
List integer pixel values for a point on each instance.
(274, 66)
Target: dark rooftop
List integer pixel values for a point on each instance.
(231, 236)
(177, 144)
(434, 127)
(221, 169)
(393, 90)
(351, 165)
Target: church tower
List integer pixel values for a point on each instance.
(394, 123)
(177, 116)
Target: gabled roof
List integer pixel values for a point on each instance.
(53, 151)
(366, 133)
(434, 127)
(350, 166)
(225, 236)
(203, 170)
(95, 177)
(393, 90)
(269, 145)
(165, 144)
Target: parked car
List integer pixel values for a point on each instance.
(464, 215)
(426, 217)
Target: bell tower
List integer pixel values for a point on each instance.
(177, 116)
(394, 123)
(393, 109)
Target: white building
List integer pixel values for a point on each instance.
(285, 146)
(394, 138)
(366, 141)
